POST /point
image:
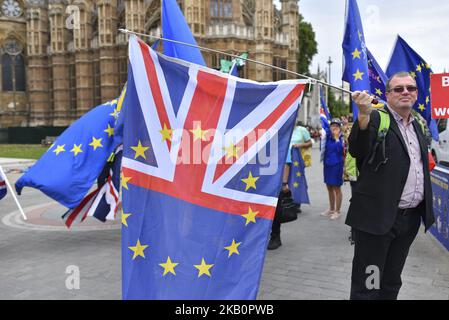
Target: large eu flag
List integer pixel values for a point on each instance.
(71, 165)
(355, 55)
(404, 58)
(201, 171)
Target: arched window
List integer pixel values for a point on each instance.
(221, 10)
(19, 68)
(13, 67)
(7, 76)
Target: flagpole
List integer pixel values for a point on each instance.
(313, 80)
(232, 67)
(13, 194)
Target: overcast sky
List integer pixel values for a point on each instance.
(423, 24)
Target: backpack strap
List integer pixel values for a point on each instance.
(382, 131)
(384, 124)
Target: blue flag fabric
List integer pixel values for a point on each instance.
(71, 165)
(3, 189)
(175, 27)
(377, 78)
(404, 58)
(324, 110)
(355, 55)
(198, 220)
(297, 182)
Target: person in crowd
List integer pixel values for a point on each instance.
(333, 161)
(300, 139)
(393, 192)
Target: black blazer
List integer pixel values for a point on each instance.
(376, 195)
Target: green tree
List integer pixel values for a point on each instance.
(307, 46)
(337, 107)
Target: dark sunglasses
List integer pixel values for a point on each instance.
(401, 89)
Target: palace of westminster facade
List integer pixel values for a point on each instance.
(52, 73)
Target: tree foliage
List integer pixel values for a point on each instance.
(337, 107)
(307, 46)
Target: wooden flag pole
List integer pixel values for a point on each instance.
(13, 193)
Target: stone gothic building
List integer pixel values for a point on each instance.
(54, 70)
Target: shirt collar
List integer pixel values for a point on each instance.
(399, 118)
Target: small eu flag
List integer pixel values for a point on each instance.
(71, 165)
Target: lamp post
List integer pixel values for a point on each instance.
(329, 62)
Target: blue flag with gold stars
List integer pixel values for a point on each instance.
(203, 154)
(404, 58)
(71, 165)
(355, 55)
(377, 79)
(297, 182)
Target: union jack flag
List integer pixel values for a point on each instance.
(202, 164)
(3, 190)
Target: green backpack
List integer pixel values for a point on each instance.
(350, 162)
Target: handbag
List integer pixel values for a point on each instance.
(289, 210)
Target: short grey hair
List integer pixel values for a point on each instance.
(400, 74)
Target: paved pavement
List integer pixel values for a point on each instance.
(314, 261)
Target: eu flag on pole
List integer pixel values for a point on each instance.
(175, 27)
(3, 190)
(69, 168)
(404, 58)
(324, 110)
(297, 182)
(199, 195)
(377, 79)
(356, 70)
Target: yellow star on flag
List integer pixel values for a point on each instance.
(296, 184)
(138, 249)
(418, 68)
(59, 149)
(168, 266)
(109, 131)
(413, 74)
(203, 268)
(76, 149)
(125, 181)
(356, 54)
(199, 134)
(421, 107)
(296, 164)
(427, 100)
(231, 151)
(115, 114)
(233, 248)
(140, 150)
(166, 133)
(250, 181)
(124, 217)
(298, 174)
(358, 75)
(96, 143)
(379, 92)
(250, 216)
(427, 66)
